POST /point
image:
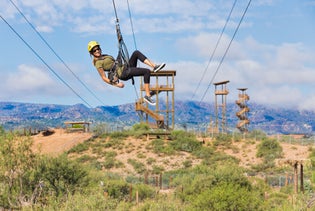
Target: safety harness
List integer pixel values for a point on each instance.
(123, 55)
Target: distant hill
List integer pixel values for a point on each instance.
(189, 115)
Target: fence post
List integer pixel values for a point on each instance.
(161, 181)
(295, 178)
(130, 192)
(301, 179)
(170, 182)
(146, 178)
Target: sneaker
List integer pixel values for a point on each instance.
(158, 67)
(152, 93)
(149, 100)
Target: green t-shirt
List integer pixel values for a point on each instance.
(106, 62)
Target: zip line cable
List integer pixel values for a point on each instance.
(227, 49)
(134, 41)
(49, 46)
(122, 46)
(215, 49)
(40, 58)
(131, 23)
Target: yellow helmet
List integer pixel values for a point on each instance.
(92, 44)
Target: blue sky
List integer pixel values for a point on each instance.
(272, 54)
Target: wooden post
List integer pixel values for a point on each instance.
(160, 181)
(146, 178)
(130, 192)
(170, 182)
(137, 197)
(296, 178)
(301, 179)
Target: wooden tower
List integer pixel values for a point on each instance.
(220, 93)
(163, 115)
(242, 125)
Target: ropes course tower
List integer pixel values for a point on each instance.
(243, 113)
(163, 116)
(220, 93)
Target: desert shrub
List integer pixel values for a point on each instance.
(159, 146)
(117, 189)
(110, 160)
(157, 169)
(84, 158)
(111, 143)
(144, 191)
(184, 141)
(161, 203)
(226, 196)
(218, 158)
(139, 129)
(223, 140)
(119, 135)
(18, 184)
(269, 149)
(204, 152)
(150, 161)
(138, 166)
(109, 163)
(221, 187)
(2, 131)
(91, 201)
(187, 163)
(264, 166)
(79, 148)
(62, 176)
(257, 135)
(143, 127)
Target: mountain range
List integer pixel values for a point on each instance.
(189, 115)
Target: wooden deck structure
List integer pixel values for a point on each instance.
(77, 126)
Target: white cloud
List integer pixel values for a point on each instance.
(29, 80)
(276, 75)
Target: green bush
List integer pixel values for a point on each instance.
(138, 166)
(143, 127)
(144, 191)
(117, 189)
(226, 196)
(159, 146)
(79, 148)
(223, 140)
(222, 187)
(183, 141)
(119, 135)
(204, 152)
(18, 184)
(62, 175)
(269, 149)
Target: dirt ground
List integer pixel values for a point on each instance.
(61, 141)
(58, 142)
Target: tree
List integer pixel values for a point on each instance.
(17, 162)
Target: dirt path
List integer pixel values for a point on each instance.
(58, 142)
